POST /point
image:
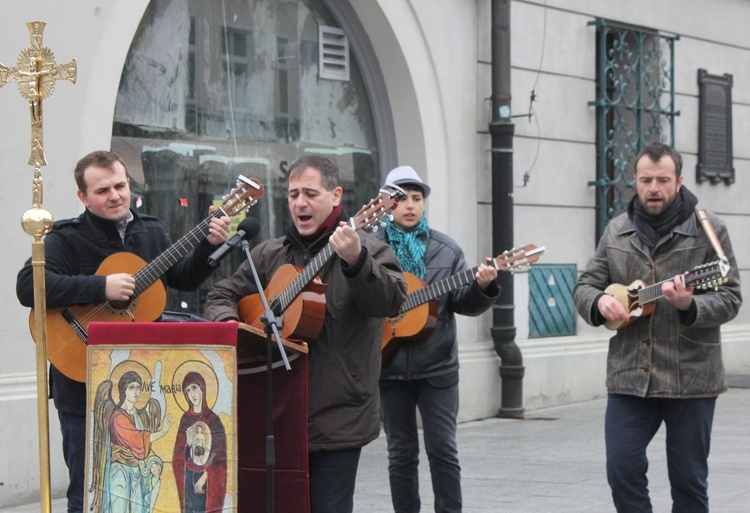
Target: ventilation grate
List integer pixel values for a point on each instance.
(333, 53)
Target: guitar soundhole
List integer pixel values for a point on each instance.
(122, 308)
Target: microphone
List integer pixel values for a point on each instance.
(246, 230)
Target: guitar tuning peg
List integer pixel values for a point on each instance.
(375, 228)
(390, 217)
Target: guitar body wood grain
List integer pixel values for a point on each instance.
(414, 324)
(303, 318)
(628, 298)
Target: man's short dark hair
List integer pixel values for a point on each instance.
(105, 159)
(655, 152)
(328, 170)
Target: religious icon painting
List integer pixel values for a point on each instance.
(161, 429)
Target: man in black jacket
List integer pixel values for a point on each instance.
(424, 374)
(73, 251)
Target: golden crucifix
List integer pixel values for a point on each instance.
(36, 75)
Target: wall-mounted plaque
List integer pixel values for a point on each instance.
(715, 162)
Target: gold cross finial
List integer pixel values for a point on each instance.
(36, 75)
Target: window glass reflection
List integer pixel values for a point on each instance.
(213, 90)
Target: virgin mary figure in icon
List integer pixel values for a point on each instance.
(199, 460)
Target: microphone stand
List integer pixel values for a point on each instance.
(271, 324)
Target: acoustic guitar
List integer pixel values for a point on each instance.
(67, 327)
(297, 293)
(639, 298)
(418, 315)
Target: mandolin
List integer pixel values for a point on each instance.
(298, 294)
(418, 315)
(67, 327)
(639, 298)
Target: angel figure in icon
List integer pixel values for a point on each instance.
(126, 473)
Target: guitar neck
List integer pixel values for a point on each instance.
(437, 289)
(161, 264)
(308, 274)
(653, 292)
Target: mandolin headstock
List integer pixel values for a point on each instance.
(708, 276)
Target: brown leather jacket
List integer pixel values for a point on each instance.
(669, 353)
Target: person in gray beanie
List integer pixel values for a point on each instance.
(423, 374)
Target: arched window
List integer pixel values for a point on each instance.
(213, 90)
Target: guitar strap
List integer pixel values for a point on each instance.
(709, 229)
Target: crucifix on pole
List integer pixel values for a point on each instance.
(36, 74)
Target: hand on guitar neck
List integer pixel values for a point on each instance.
(677, 293)
(486, 274)
(345, 242)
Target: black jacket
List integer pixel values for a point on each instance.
(438, 354)
(73, 251)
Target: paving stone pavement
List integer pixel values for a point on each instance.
(553, 461)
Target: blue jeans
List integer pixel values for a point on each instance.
(630, 424)
(332, 478)
(437, 400)
(73, 428)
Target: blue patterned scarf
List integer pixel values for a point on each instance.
(409, 246)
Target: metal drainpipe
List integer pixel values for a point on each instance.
(501, 131)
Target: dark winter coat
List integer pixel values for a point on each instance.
(74, 249)
(344, 360)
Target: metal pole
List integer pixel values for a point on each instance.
(37, 222)
(501, 130)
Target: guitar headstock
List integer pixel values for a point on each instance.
(379, 207)
(518, 259)
(246, 194)
(708, 276)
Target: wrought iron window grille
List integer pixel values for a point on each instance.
(635, 106)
